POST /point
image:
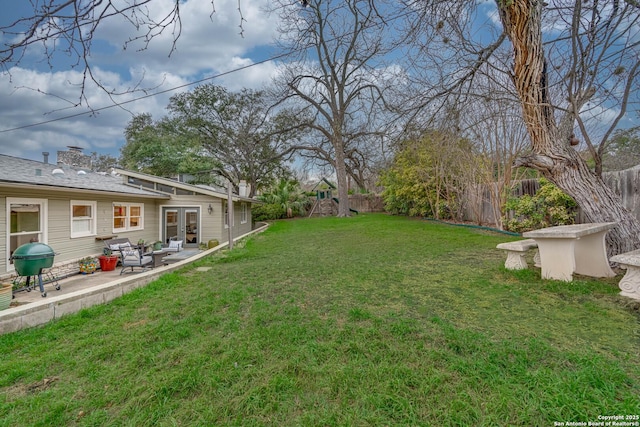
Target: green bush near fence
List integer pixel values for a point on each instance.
(548, 207)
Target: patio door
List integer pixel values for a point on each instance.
(181, 223)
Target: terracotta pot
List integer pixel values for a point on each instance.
(108, 262)
(6, 295)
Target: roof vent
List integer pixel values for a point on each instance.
(82, 173)
(57, 172)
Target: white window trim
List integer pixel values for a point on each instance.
(93, 218)
(44, 204)
(128, 217)
(243, 213)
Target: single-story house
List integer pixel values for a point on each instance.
(74, 210)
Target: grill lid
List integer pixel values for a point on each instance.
(33, 251)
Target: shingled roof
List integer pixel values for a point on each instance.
(17, 171)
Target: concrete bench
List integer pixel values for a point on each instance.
(630, 283)
(516, 252)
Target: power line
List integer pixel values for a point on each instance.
(120, 104)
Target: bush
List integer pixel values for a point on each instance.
(550, 206)
(268, 211)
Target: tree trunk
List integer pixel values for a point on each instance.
(552, 154)
(341, 177)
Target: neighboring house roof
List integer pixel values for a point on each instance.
(15, 171)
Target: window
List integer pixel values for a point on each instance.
(140, 182)
(83, 218)
(243, 213)
(226, 214)
(127, 217)
(26, 222)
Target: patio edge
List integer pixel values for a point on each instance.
(41, 312)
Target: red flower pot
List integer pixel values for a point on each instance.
(108, 263)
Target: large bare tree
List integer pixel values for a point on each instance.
(552, 154)
(594, 59)
(554, 84)
(338, 77)
(569, 57)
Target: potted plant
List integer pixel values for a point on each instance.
(108, 261)
(6, 295)
(87, 265)
(157, 245)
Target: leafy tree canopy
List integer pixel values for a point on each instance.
(242, 131)
(423, 177)
(157, 148)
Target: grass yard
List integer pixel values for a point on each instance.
(363, 321)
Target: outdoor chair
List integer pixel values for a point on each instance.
(117, 245)
(174, 246)
(133, 257)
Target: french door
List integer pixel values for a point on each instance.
(181, 223)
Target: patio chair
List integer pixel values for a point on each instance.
(117, 245)
(133, 257)
(174, 246)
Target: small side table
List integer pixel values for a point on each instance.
(157, 257)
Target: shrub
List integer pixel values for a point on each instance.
(268, 211)
(550, 206)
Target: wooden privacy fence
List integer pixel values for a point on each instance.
(625, 183)
(359, 202)
(366, 202)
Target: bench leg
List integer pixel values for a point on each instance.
(536, 259)
(630, 283)
(515, 261)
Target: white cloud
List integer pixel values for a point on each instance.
(209, 44)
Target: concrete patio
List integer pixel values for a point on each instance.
(82, 291)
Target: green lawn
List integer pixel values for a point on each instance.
(369, 320)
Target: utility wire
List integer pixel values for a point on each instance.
(119, 104)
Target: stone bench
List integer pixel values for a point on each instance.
(630, 283)
(516, 252)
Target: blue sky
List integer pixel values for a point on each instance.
(210, 44)
(37, 111)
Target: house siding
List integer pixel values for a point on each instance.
(22, 178)
(211, 225)
(4, 256)
(58, 223)
(238, 228)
